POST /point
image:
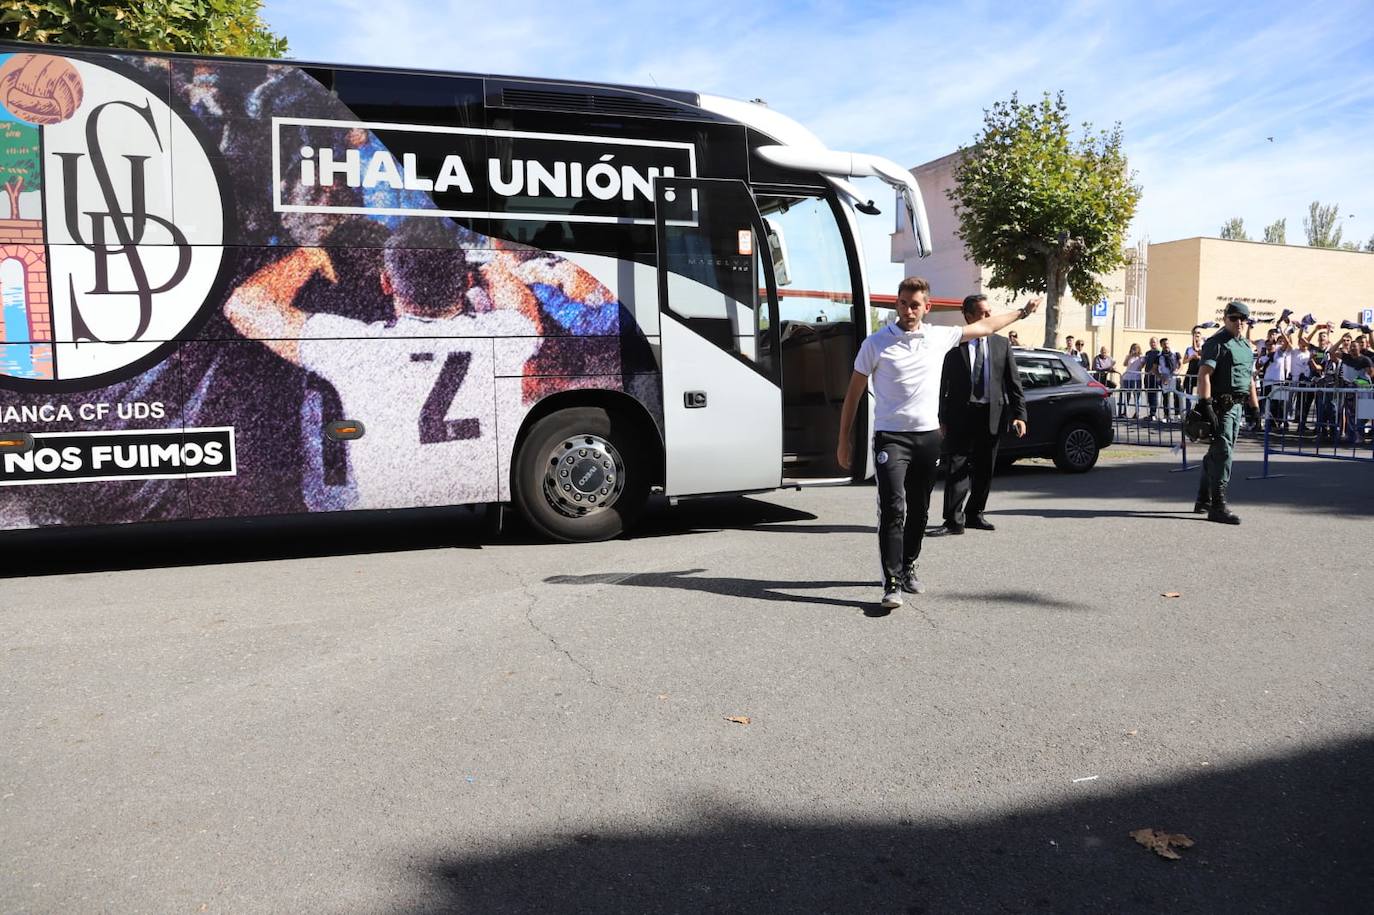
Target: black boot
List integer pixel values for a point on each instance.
(1204, 497)
(1219, 512)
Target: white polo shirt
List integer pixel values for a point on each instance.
(905, 369)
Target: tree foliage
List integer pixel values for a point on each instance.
(1321, 225)
(1276, 233)
(1234, 229)
(1369, 245)
(1043, 210)
(229, 27)
(19, 169)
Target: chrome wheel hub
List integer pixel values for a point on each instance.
(583, 474)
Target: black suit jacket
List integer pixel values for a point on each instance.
(1004, 387)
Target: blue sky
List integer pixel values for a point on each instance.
(1197, 86)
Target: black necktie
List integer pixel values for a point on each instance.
(978, 390)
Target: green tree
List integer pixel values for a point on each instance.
(1276, 233)
(1234, 229)
(1369, 245)
(1321, 225)
(1046, 212)
(19, 161)
(230, 27)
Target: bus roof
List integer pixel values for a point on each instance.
(676, 95)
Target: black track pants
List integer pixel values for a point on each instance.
(905, 463)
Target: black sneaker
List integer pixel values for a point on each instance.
(892, 596)
(910, 583)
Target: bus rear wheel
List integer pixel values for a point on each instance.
(582, 474)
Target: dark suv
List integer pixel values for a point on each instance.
(1070, 413)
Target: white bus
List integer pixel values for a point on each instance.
(237, 287)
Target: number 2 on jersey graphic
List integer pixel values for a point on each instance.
(434, 428)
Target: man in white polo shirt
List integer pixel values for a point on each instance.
(905, 360)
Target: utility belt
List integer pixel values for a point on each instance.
(1225, 402)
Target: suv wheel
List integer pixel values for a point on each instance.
(1077, 449)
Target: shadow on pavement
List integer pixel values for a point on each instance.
(691, 580)
(1288, 834)
(1327, 486)
(1032, 598)
(759, 589)
(821, 528)
(48, 551)
(1184, 514)
(54, 551)
(713, 513)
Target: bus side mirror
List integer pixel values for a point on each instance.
(777, 252)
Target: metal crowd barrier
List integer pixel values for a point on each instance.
(1148, 416)
(1151, 417)
(1318, 420)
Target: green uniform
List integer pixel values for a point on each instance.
(1233, 366)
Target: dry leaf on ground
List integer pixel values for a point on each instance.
(1171, 594)
(738, 719)
(1162, 843)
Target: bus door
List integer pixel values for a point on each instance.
(718, 326)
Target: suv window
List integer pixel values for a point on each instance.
(1041, 371)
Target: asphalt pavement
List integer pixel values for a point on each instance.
(405, 712)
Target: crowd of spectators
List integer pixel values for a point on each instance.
(1303, 354)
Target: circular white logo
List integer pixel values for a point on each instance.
(119, 225)
(882, 457)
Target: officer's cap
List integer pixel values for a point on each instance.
(1237, 308)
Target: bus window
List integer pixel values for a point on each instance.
(817, 334)
(715, 276)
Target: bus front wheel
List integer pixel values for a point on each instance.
(582, 474)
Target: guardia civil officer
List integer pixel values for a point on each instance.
(1225, 383)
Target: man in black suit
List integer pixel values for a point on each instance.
(979, 387)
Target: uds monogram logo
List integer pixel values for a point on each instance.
(131, 219)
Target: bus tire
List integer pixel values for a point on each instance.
(582, 474)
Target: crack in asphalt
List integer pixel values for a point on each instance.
(926, 616)
(930, 621)
(591, 674)
(530, 601)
